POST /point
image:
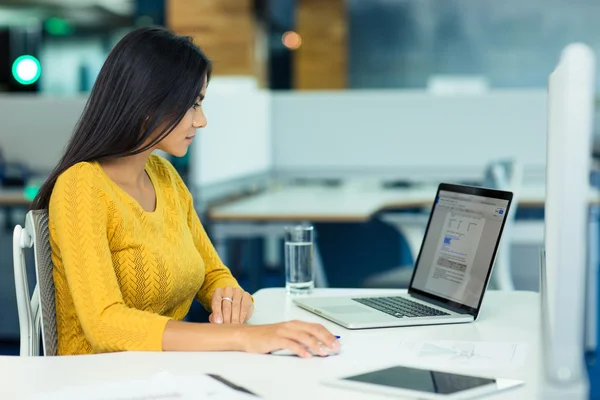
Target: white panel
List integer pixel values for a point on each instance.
(571, 109)
(391, 129)
(35, 129)
(236, 143)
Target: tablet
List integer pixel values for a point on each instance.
(423, 383)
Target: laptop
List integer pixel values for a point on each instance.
(451, 272)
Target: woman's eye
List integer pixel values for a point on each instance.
(196, 105)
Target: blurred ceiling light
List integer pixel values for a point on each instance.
(26, 69)
(291, 40)
(58, 27)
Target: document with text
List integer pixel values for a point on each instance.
(455, 252)
(473, 354)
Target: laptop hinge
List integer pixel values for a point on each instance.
(438, 303)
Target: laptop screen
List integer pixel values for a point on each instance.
(456, 255)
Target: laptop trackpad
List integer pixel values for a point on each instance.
(349, 309)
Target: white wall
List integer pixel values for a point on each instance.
(251, 131)
(237, 140)
(406, 131)
(35, 129)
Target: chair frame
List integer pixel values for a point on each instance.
(30, 309)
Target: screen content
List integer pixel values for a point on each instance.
(421, 380)
(459, 246)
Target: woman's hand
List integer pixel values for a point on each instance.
(296, 336)
(231, 306)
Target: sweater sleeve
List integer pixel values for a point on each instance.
(217, 274)
(79, 215)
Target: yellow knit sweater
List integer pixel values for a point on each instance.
(121, 272)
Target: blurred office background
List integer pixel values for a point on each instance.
(306, 93)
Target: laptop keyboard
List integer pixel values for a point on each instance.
(399, 307)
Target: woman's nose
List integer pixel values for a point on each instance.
(199, 121)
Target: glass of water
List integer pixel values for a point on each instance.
(299, 269)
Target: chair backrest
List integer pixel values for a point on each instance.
(506, 174)
(45, 280)
(41, 308)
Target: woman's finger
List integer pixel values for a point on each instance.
(320, 333)
(324, 336)
(226, 304)
(247, 307)
(217, 299)
(294, 347)
(236, 306)
(307, 340)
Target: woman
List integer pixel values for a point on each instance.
(129, 251)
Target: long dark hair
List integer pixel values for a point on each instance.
(148, 82)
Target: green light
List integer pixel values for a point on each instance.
(30, 192)
(26, 70)
(58, 27)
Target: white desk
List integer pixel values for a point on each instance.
(344, 204)
(504, 317)
(265, 214)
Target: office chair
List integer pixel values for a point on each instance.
(37, 312)
(502, 175)
(506, 175)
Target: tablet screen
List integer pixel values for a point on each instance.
(421, 380)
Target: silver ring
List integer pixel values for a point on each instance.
(228, 299)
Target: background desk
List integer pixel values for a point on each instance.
(505, 317)
(345, 204)
(9, 200)
(13, 197)
(265, 214)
